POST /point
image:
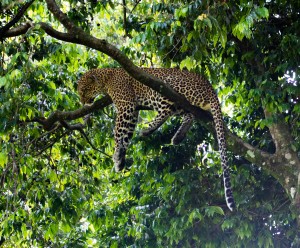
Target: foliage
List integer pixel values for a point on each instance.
(57, 191)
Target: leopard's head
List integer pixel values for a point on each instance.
(89, 86)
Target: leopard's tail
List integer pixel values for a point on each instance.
(219, 125)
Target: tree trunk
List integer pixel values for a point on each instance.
(286, 166)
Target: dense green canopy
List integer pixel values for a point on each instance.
(58, 187)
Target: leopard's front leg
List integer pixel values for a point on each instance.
(124, 128)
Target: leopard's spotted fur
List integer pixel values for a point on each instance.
(128, 94)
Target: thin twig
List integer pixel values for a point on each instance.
(79, 127)
(51, 144)
(172, 49)
(136, 4)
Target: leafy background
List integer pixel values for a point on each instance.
(57, 191)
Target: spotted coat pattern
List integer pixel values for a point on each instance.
(128, 94)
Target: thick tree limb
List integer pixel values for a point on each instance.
(280, 133)
(249, 152)
(56, 34)
(22, 29)
(19, 30)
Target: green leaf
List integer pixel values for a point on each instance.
(188, 63)
(65, 227)
(15, 74)
(223, 36)
(169, 178)
(212, 210)
(190, 36)
(195, 214)
(51, 232)
(183, 12)
(296, 108)
(227, 224)
(207, 23)
(262, 12)
(3, 159)
(4, 82)
(178, 23)
(242, 29)
(53, 176)
(52, 85)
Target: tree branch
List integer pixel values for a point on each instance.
(17, 17)
(136, 4)
(249, 152)
(56, 34)
(125, 17)
(63, 18)
(58, 116)
(22, 29)
(280, 133)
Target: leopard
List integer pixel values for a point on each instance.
(129, 96)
